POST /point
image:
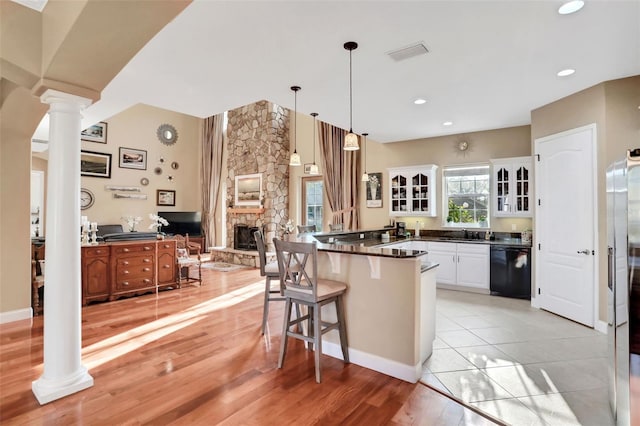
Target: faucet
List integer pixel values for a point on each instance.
(466, 234)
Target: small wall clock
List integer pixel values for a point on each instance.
(86, 198)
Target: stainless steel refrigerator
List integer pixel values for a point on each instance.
(623, 240)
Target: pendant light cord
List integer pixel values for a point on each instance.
(350, 92)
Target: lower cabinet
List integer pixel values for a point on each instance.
(461, 264)
(113, 270)
(96, 284)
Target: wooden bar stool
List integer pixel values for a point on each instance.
(298, 263)
(269, 271)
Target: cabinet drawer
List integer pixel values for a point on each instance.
(95, 251)
(473, 248)
(125, 284)
(138, 248)
(445, 247)
(166, 246)
(135, 261)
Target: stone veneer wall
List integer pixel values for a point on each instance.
(258, 142)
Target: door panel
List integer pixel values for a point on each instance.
(566, 218)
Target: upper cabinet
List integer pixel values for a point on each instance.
(412, 190)
(512, 189)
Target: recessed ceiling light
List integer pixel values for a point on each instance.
(570, 7)
(448, 123)
(420, 101)
(566, 72)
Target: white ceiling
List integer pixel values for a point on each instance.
(489, 65)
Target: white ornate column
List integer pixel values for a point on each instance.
(63, 372)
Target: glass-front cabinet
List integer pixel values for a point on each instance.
(412, 190)
(512, 187)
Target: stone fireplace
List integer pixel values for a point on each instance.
(257, 142)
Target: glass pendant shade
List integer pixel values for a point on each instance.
(351, 142)
(365, 177)
(295, 159)
(314, 170)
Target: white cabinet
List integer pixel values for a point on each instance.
(461, 264)
(512, 187)
(412, 190)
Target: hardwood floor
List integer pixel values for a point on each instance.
(195, 356)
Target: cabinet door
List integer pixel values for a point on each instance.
(473, 265)
(420, 187)
(445, 255)
(521, 205)
(399, 193)
(502, 190)
(166, 267)
(95, 278)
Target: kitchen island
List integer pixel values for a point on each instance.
(389, 304)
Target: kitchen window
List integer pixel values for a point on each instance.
(312, 201)
(467, 196)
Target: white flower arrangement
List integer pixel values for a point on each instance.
(132, 221)
(373, 180)
(158, 222)
(289, 227)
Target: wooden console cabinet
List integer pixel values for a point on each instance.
(127, 268)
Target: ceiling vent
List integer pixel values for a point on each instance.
(408, 52)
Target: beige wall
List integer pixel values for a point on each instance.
(613, 107)
(136, 128)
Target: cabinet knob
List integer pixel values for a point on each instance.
(166, 266)
(125, 263)
(146, 269)
(126, 250)
(125, 272)
(147, 248)
(167, 246)
(146, 260)
(146, 281)
(125, 283)
(98, 251)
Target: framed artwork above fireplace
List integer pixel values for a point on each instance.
(248, 190)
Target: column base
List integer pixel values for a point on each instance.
(46, 391)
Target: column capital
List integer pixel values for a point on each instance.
(55, 96)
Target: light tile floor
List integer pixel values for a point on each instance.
(522, 365)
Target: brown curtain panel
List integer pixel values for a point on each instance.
(341, 176)
(211, 172)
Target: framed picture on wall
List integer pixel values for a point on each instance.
(96, 164)
(248, 190)
(374, 190)
(133, 158)
(165, 197)
(95, 133)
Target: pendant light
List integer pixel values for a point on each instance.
(313, 170)
(365, 175)
(295, 157)
(351, 140)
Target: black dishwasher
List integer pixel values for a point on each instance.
(510, 271)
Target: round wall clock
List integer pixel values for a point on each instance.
(86, 198)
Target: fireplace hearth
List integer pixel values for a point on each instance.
(243, 237)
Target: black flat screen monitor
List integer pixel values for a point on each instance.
(182, 223)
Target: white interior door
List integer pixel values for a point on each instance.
(566, 220)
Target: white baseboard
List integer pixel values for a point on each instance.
(17, 315)
(408, 373)
(601, 326)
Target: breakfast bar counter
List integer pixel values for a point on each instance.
(389, 305)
